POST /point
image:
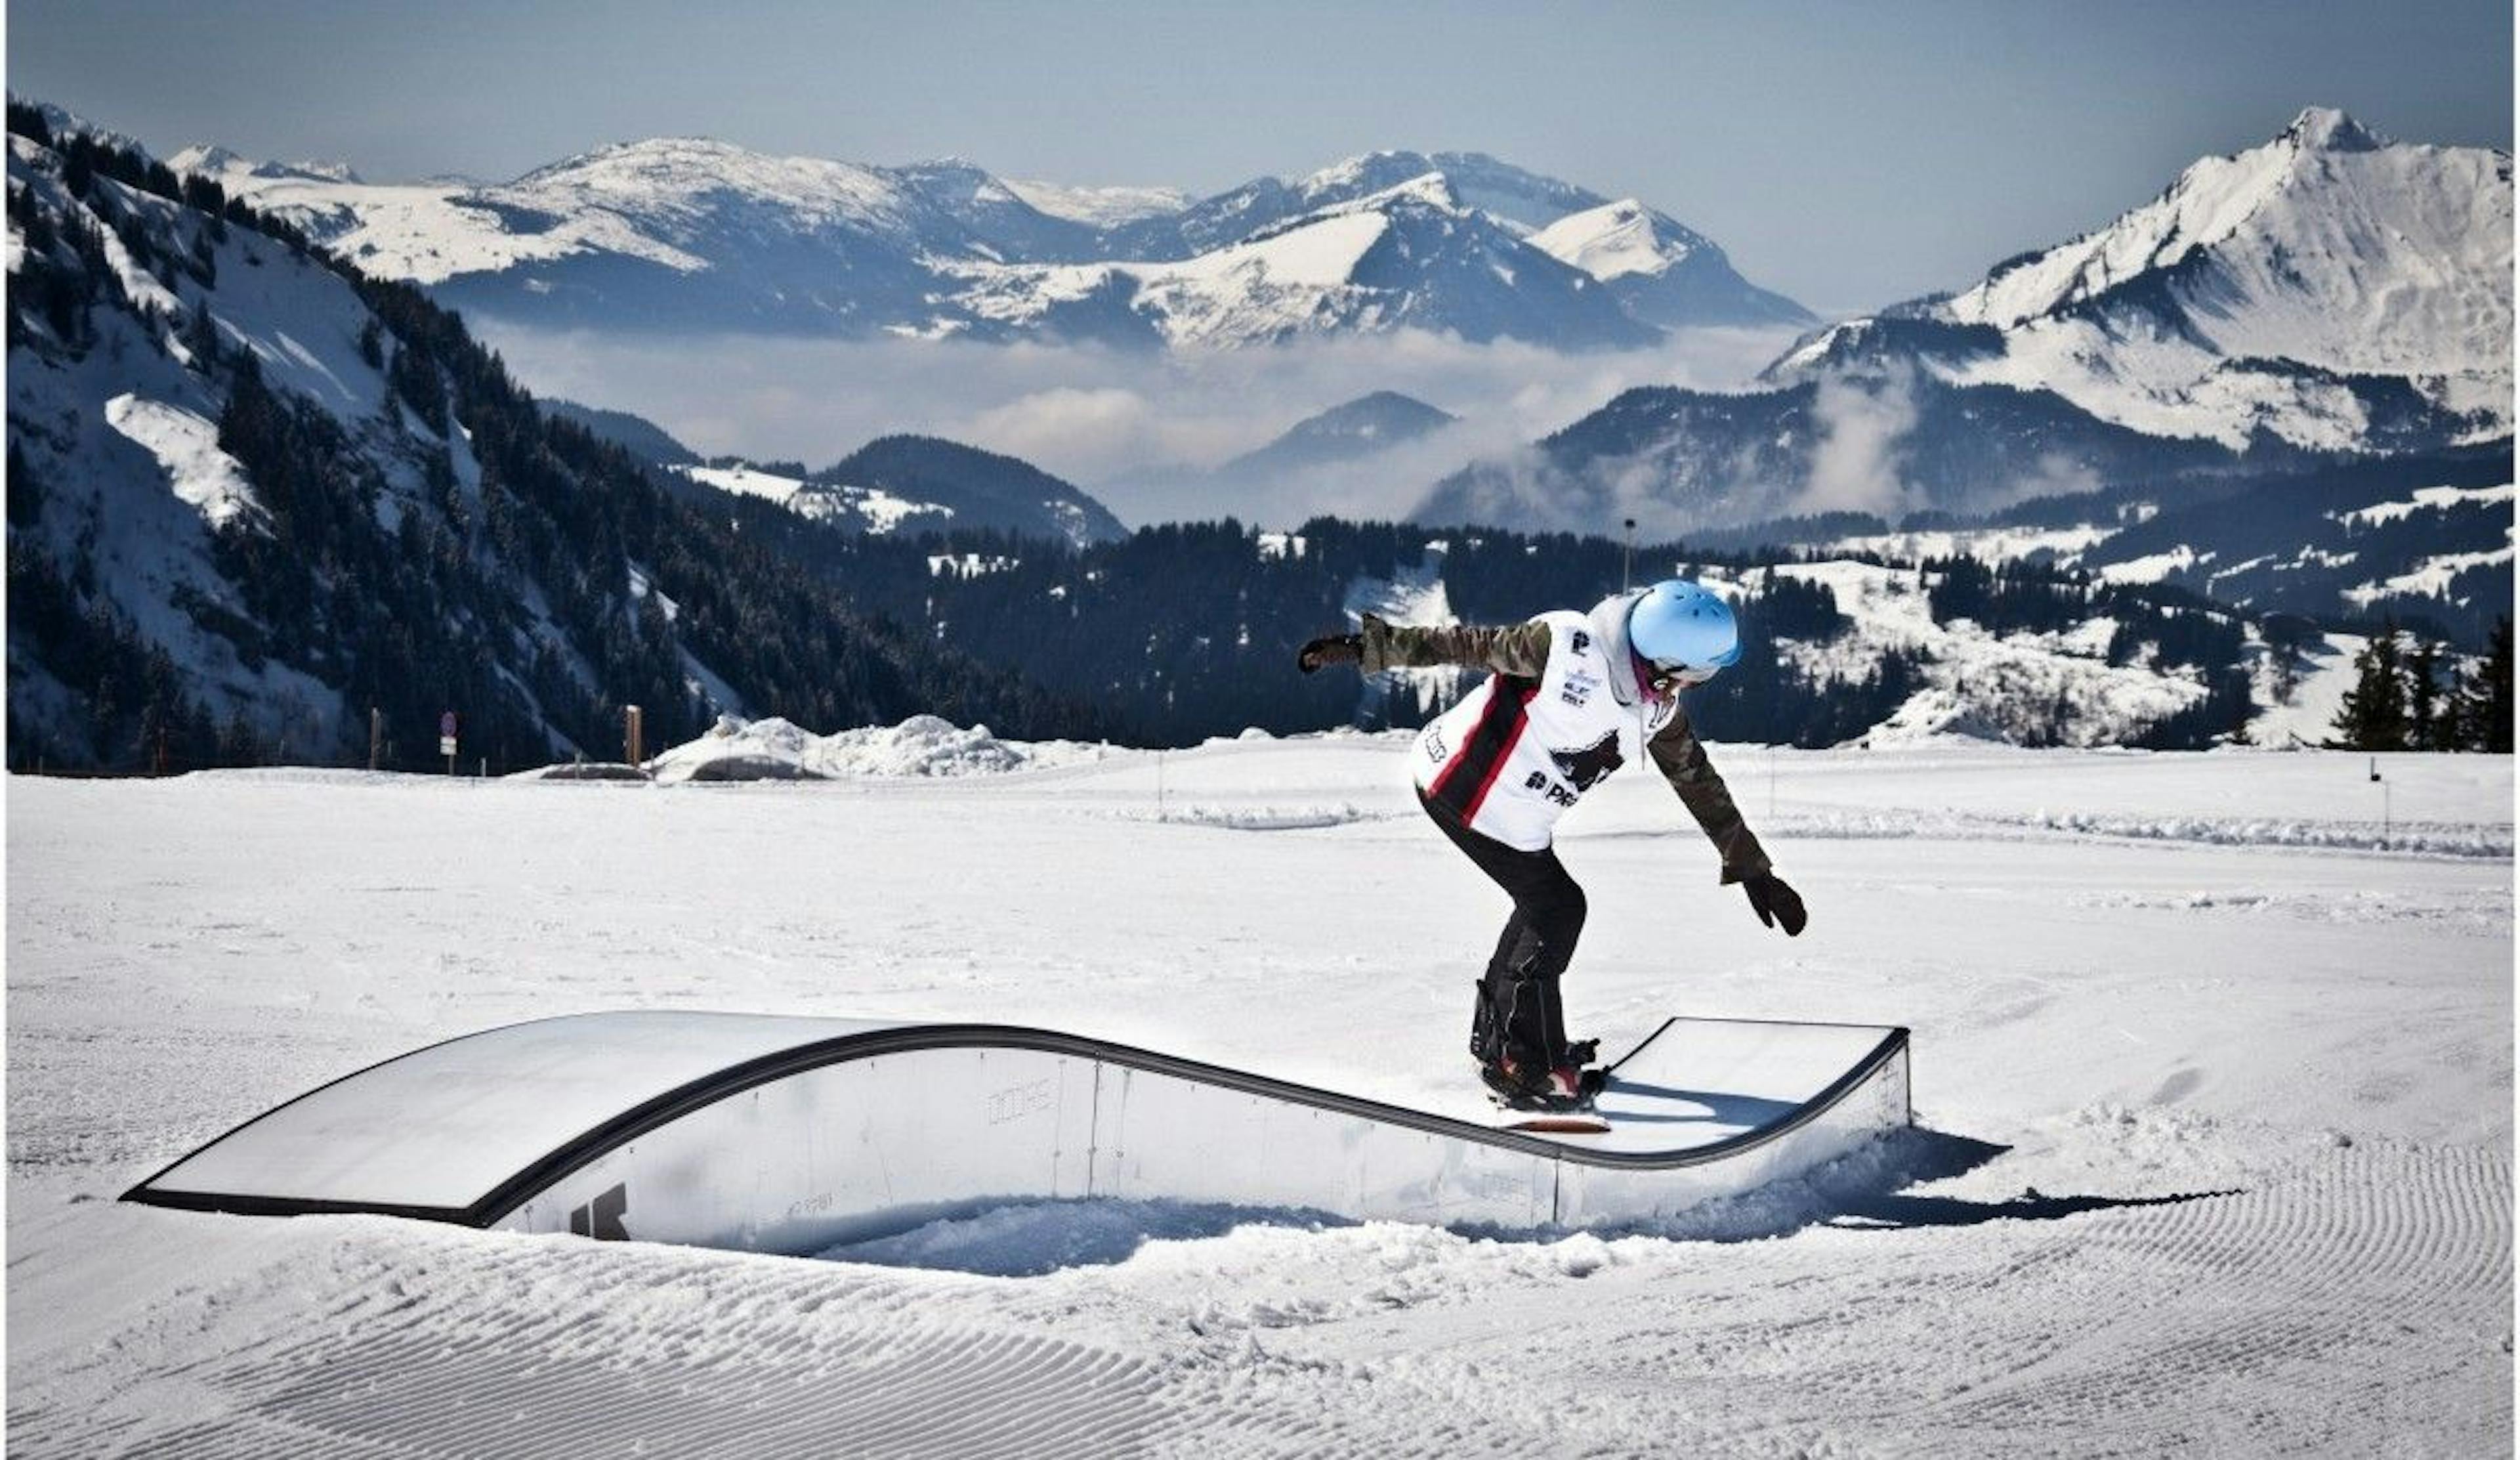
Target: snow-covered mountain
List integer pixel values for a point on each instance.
(2326, 297)
(686, 233)
(1660, 270)
(2330, 289)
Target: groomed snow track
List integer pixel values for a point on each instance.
(792, 1135)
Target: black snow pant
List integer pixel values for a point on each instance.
(1518, 1014)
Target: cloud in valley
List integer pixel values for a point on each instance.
(1137, 428)
(1858, 424)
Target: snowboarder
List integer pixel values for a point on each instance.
(1498, 769)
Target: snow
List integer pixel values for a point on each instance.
(1100, 208)
(187, 446)
(2425, 499)
(921, 745)
(2214, 1096)
(2154, 567)
(876, 509)
(869, 509)
(641, 586)
(968, 565)
(1609, 241)
(2063, 545)
(126, 439)
(1415, 598)
(745, 479)
(2057, 688)
(2429, 579)
(428, 233)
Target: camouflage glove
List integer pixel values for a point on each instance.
(1338, 649)
(1773, 901)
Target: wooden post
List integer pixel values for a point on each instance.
(375, 735)
(633, 739)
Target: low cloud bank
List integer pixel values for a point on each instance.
(1138, 429)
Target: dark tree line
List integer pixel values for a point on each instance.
(2411, 697)
(1187, 630)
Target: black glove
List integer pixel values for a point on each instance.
(1338, 649)
(1773, 900)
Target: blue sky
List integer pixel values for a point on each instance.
(1849, 154)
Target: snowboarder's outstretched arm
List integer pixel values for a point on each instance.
(1508, 649)
(1681, 758)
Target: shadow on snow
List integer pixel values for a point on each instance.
(1870, 1189)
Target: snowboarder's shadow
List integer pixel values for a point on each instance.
(1931, 1156)
(1696, 1106)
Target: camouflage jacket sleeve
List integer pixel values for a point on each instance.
(1676, 752)
(1512, 648)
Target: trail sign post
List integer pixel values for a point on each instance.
(446, 739)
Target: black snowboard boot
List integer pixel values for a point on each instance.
(1524, 1057)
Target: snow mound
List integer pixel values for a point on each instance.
(923, 744)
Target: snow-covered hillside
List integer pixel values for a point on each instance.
(680, 233)
(117, 430)
(2440, 555)
(263, 508)
(2212, 1081)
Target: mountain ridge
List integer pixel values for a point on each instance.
(691, 233)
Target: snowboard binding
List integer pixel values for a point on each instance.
(1554, 1088)
(1517, 1038)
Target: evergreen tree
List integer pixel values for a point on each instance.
(202, 336)
(2487, 703)
(2373, 716)
(2427, 728)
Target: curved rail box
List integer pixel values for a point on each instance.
(792, 1135)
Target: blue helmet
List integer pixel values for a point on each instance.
(1683, 630)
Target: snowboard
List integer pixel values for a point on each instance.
(1583, 1121)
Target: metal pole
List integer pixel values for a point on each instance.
(376, 734)
(1627, 556)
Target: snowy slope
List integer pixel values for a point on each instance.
(2214, 1096)
(2441, 555)
(122, 439)
(2057, 687)
(250, 517)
